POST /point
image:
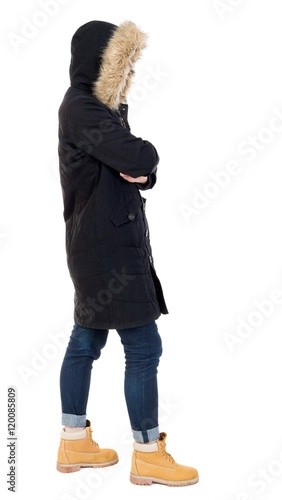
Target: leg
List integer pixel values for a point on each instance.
(84, 347)
(77, 448)
(142, 348)
(150, 461)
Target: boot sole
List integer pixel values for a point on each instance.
(76, 467)
(148, 481)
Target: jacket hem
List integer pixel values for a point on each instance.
(116, 325)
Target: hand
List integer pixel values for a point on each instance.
(140, 180)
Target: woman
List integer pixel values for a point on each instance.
(103, 167)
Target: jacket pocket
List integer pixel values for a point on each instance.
(127, 213)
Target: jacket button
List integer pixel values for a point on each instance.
(131, 216)
(146, 233)
(150, 259)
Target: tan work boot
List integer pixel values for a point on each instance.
(152, 464)
(77, 449)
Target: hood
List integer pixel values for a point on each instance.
(102, 58)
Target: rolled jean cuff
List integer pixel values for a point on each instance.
(73, 420)
(147, 435)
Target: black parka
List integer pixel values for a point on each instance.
(107, 236)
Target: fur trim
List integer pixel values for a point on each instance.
(115, 77)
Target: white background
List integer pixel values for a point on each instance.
(218, 85)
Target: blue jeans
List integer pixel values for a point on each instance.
(142, 348)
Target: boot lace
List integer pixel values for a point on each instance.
(91, 440)
(165, 454)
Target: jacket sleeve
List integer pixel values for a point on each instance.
(97, 130)
(152, 179)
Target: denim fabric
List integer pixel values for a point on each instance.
(142, 348)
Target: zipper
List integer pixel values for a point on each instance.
(121, 119)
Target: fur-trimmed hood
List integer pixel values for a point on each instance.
(103, 56)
